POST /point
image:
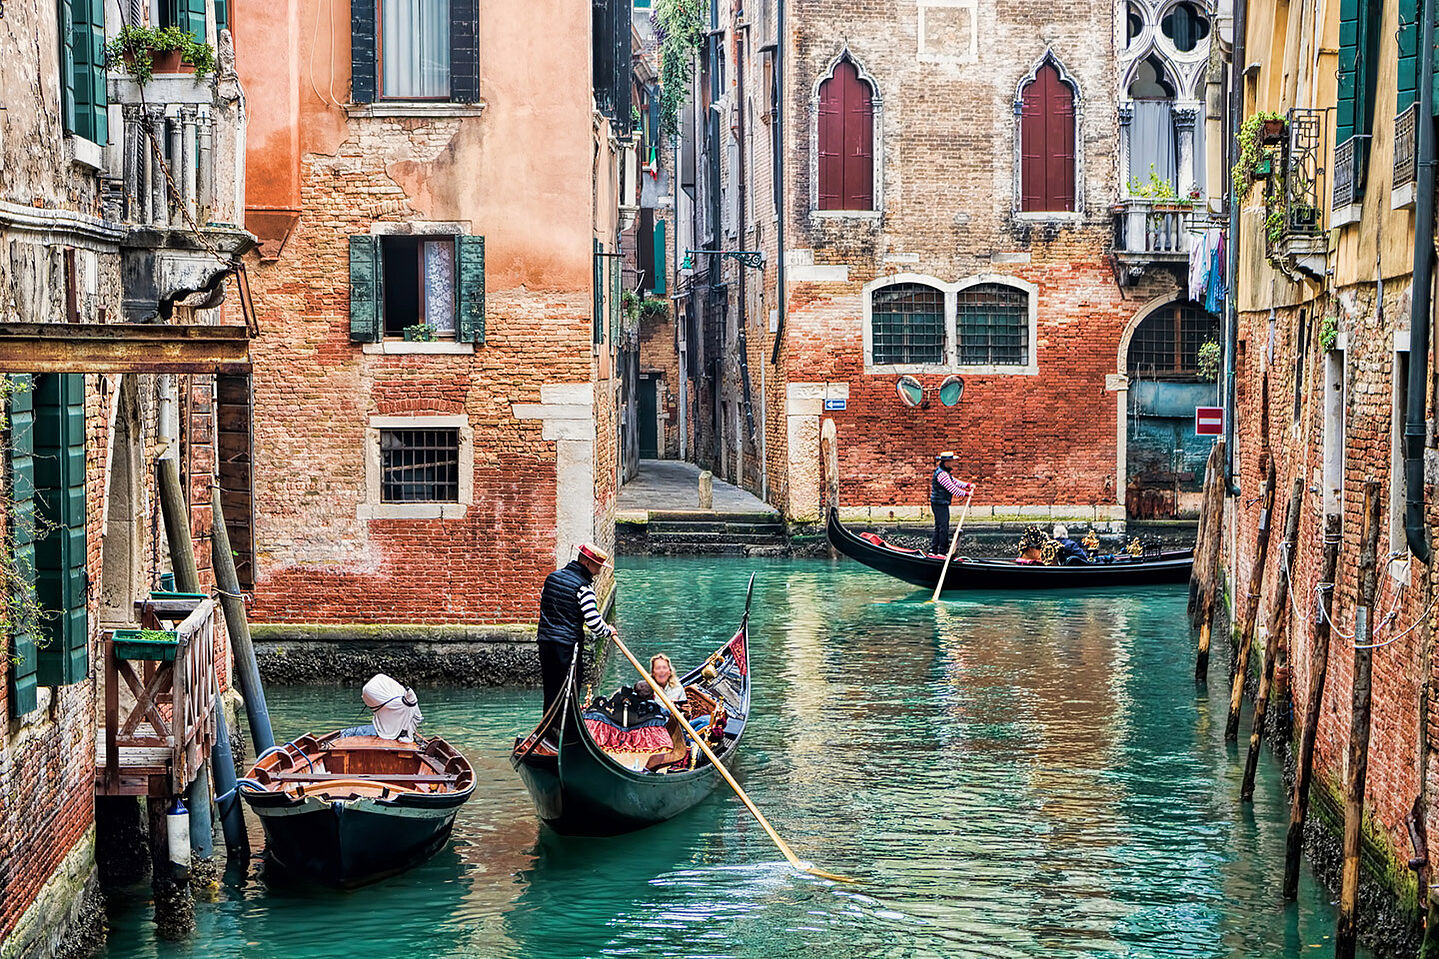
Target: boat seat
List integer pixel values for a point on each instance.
(368, 777)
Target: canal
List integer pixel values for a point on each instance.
(1007, 775)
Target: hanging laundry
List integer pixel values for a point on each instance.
(1214, 294)
(1198, 264)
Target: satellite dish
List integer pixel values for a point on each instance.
(911, 391)
(951, 390)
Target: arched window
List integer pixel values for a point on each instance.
(1166, 343)
(846, 140)
(1046, 137)
(992, 325)
(907, 324)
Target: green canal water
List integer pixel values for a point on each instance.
(1006, 775)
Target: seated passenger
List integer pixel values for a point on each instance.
(664, 673)
(1030, 545)
(1071, 553)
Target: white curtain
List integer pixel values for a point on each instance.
(1151, 141)
(415, 39)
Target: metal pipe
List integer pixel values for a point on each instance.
(1415, 530)
(779, 52)
(1231, 302)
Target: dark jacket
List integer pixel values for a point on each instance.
(560, 618)
(938, 495)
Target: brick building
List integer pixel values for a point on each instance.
(117, 262)
(439, 284)
(981, 223)
(1321, 364)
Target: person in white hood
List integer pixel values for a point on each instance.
(396, 711)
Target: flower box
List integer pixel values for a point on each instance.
(153, 644)
(1274, 131)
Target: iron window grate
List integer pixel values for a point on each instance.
(907, 324)
(993, 325)
(420, 466)
(1167, 343)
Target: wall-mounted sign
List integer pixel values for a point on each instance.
(835, 405)
(1209, 421)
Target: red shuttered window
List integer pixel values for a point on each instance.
(1046, 138)
(846, 141)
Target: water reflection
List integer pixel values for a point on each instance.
(1010, 776)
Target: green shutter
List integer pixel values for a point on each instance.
(20, 478)
(470, 267)
(616, 299)
(659, 277)
(599, 284)
(60, 579)
(222, 16)
(194, 19)
(83, 68)
(1408, 66)
(366, 289)
(67, 66)
(1349, 47)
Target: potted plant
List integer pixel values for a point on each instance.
(144, 51)
(419, 333)
(1254, 163)
(1273, 129)
(654, 307)
(1207, 360)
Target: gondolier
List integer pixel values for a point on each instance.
(567, 606)
(942, 489)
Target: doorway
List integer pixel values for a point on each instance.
(649, 417)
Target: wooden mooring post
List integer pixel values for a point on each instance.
(1346, 932)
(1278, 621)
(1201, 540)
(1251, 602)
(1206, 557)
(1318, 670)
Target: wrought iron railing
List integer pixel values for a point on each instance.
(1149, 227)
(1345, 161)
(1404, 143)
(1303, 173)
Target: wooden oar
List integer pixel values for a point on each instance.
(954, 541)
(783, 846)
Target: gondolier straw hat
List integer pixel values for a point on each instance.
(946, 455)
(594, 554)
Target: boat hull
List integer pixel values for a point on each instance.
(973, 574)
(352, 843)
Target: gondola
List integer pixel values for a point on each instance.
(580, 789)
(922, 569)
(351, 809)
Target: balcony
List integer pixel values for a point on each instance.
(1295, 236)
(1404, 162)
(1151, 231)
(177, 166)
(1346, 165)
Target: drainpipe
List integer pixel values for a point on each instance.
(1415, 530)
(779, 54)
(1231, 302)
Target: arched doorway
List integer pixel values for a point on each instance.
(1164, 460)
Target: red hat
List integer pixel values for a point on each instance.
(594, 554)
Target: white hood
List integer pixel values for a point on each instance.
(397, 712)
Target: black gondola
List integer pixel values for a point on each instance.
(579, 789)
(349, 810)
(922, 569)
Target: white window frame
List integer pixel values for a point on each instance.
(371, 507)
(950, 292)
(1335, 408)
(1398, 486)
(1075, 216)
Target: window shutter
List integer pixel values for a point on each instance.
(470, 270)
(67, 66)
(858, 140)
(366, 289)
(464, 51)
(20, 473)
(1348, 69)
(60, 582)
(1059, 144)
(831, 144)
(86, 84)
(1032, 150)
(1408, 66)
(194, 21)
(659, 274)
(599, 287)
(222, 16)
(363, 76)
(616, 297)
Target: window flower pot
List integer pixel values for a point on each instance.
(1273, 131)
(153, 644)
(1263, 168)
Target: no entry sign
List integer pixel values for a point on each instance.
(1209, 421)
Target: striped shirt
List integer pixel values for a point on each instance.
(589, 609)
(957, 487)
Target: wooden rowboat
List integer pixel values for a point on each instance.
(922, 569)
(580, 789)
(349, 809)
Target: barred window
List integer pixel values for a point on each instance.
(907, 324)
(1166, 343)
(993, 322)
(419, 466)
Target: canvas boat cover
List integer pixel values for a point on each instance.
(397, 712)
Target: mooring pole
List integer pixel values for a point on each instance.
(1196, 572)
(1251, 605)
(1346, 933)
(1278, 622)
(237, 627)
(1318, 670)
(227, 800)
(1213, 547)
